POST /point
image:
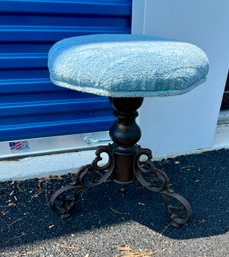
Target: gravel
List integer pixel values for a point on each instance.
(109, 224)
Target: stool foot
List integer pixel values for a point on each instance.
(63, 201)
(156, 180)
(180, 212)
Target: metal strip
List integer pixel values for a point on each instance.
(55, 144)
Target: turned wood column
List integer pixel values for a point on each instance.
(125, 133)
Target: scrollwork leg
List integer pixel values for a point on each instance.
(63, 201)
(156, 180)
(179, 209)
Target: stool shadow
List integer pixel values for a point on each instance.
(201, 178)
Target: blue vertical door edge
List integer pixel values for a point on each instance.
(30, 105)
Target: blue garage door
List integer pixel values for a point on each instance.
(30, 105)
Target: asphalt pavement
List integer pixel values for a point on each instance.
(109, 224)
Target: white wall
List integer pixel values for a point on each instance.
(188, 122)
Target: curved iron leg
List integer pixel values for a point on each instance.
(63, 201)
(175, 211)
(157, 181)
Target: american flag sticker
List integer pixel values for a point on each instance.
(19, 146)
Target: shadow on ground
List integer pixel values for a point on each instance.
(26, 217)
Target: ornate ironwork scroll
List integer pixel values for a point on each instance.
(63, 201)
(125, 162)
(156, 180)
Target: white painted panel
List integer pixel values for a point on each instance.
(188, 122)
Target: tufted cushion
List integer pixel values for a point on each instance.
(127, 65)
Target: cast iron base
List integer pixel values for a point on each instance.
(127, 162)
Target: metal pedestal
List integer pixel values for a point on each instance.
(126, 162)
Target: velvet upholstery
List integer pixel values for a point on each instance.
(127, 65)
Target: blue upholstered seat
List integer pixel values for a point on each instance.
(127, 65)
